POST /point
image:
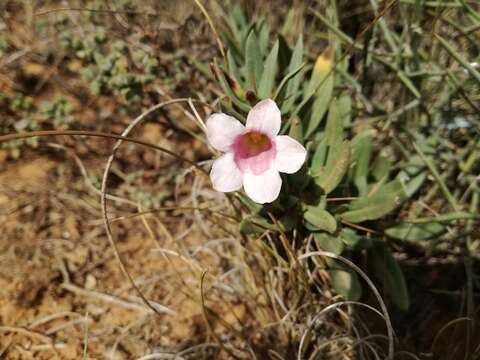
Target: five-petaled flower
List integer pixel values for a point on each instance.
(254, 153)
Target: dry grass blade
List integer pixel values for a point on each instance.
(350, 264)
(43, 133)
(108, 166)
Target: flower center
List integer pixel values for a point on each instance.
(251, 144)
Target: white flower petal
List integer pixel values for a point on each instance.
(290, 154)
(265, 117)
(225, 174)
(263, 188)
(222, 130)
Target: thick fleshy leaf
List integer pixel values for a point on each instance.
(294, 83)
(329, 243)
(319, 219)
(265, 117)
(263, 188)
(225, 174)
(265, 85)
(296, 129)
(222, 130)
(290, 154)
(321, 87)
(232, 94)
(331, 175)
(253, 60)
(377, 204)
(346, 283)
(362, 148)
(334, 126)
(415, 232)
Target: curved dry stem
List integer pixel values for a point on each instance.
(372, 287)
(44, 133)
(445, 327)
(108, 166)
(212, 26)
(413, 356)
(176, 208)
(328, 308)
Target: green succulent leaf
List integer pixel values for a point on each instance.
(329, 176)
(320, 219)
(353, 241)
(294, 83)
(269, 73)
(256, 224)
(415, 183)
(319, 156)
(253, 60)
(296, 130)
(381, 166)
(232, 66)
(228, 90)
(362, 147)
(346, 283)
(321, 87)
(263, 35)
(334, 127)
(279, 93)
(376, 204)
(329, 243)
(415, 232)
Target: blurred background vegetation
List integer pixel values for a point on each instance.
(404, 78)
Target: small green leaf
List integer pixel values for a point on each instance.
(334, 127)
(229, 92)
(329, 243)
(346, 283)
(296, 130)
(253, 60)
(269, 73)
(320, 105)
(320, 219)
(256, 224)
(353, 241)
(377, 204)
(415, 232)
(238, 17)
(321, 87)
(294, 83)
(389, 272)
(319, 157)
(362, 147)
(329, 176)
(232, 66)
(344, 105)
(263, 38)
(415, 183)
(280, 89)
(381, 166)
(248, 227)
(251, 206)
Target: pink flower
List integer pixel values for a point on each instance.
(254, 154)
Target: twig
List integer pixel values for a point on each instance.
(116, 300)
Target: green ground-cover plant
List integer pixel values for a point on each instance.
(349, 181)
